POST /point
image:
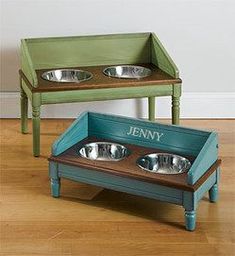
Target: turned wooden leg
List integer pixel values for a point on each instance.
(213, 193)
(55, 187)
(190, 220)
(24, 110)
(36, 125)
(190, 206)
(151, 109)
(55, 179)
(175, 110)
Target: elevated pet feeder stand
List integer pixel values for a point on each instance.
(93, 54)
(139, 138)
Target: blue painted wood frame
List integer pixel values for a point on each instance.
(177, 139)
(203, 145)
(188, 199)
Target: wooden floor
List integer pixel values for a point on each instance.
(87, 220)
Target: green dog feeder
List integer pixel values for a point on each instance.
(95, 68)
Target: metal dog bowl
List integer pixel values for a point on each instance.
(127, 71)
(103, 151)
(67, 75)
(163, 163)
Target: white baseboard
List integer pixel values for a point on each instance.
(193, 105)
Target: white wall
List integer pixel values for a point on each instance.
(198, 34)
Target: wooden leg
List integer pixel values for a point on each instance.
(151, 103)
(55, 179)
(55, 187)
(175, 110)
(190, 220)
(213, 193)
(24, 111)
(36, 125)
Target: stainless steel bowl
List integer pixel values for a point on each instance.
(67, 75)
(103, 151)
(163, 163)
(127, 71)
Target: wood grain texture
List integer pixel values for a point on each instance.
(128, 168)
(100, 81)
(88, 221)
(89, 50)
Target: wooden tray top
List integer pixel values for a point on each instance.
(128, 168)
(99, 80)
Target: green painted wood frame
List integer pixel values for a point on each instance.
(92, 50)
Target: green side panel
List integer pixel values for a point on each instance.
(89, 50)
(27, 64)
(27, 91)
(207, 156)
(76, 132)
(149, 134)
(161, 58)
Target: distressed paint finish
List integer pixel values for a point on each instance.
(43, 53)
(214, 190)
(76, 132)
(24, 109)
(175, 110)
(161, 58)
(55, 179)
(36, 104)
(207, 155)
(151, 106)
(89, 50)
(148, 134)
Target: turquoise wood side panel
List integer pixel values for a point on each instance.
(89, 50)
(149, 134)
(191, 199)
(161, 58)
(207, 156)
(76, 132)
(205, 186)
(117, 183)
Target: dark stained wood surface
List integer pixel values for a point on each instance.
(128, 168)
(100, 81)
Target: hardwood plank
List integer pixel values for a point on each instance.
(89, 221)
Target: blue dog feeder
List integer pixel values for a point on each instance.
(164, 162)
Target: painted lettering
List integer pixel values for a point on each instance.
(144, 133)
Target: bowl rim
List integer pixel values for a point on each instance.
(126, 65)
(102, 143)
(65, 69)
(189, 164)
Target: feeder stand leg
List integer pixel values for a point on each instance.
(24, 109)
(213, 192)
(175, 110)
(55, 179)
(190, 207)
(190, 220)
(36, 103)
(151, 103)
(55, 187)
